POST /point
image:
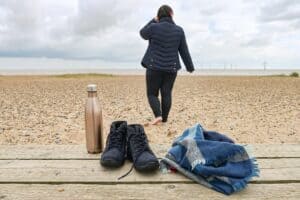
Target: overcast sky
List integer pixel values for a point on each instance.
(105, 33)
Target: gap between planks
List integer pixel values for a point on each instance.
(78, 152)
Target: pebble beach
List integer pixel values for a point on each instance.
(50, 109)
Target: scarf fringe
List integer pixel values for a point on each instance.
(255, 170)
(243, 183)
(254, 166)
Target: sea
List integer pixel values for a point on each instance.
(141, 71)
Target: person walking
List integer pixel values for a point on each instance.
(161, 60)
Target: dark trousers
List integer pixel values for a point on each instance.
(159, 81)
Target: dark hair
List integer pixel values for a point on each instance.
(164, 11)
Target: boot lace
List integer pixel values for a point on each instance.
(115, 139)
(139, 146)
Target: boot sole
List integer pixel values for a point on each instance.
(151, 166)
(111, 163)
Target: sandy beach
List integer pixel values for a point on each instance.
(50, 109)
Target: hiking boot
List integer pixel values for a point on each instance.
(138, 149)
(115, 149)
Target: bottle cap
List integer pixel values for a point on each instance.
(92, 88)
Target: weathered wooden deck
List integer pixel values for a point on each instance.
(68, 172)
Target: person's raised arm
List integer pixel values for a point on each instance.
(185, 54)
(145, 32)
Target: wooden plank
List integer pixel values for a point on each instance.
(276, 150)
(79, 151)
(90, 171)
(144, 191)
(45, 152)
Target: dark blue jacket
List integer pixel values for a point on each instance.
(165, 40)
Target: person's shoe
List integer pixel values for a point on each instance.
(138, 149)
(115, 149)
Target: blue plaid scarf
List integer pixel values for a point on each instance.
(211, 159)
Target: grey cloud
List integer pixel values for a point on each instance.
(206, 8)
(283, 16)
(212, 8)
(283, 10)
(22, 24)
(109, 30)
(84, 34)
(296, 25)
(20, 15)
(94, 15)
(257, 42)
